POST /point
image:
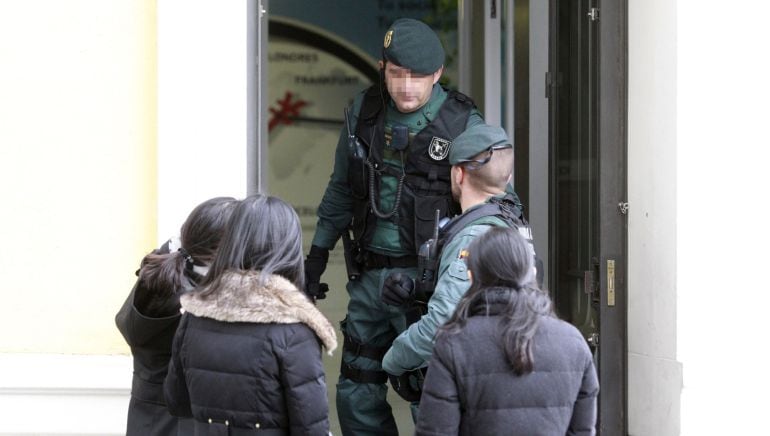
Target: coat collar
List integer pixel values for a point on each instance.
(240, 296)
(491, 302)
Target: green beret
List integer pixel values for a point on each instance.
(477, 139)
(412, 44)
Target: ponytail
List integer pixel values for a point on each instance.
(162, 278)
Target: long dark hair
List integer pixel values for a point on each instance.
(264, 234)
(167, 274)
(501, 265)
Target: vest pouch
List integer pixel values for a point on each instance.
(358, 177)
(425, 216)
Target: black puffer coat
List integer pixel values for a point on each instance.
(248, 358)
(149, 334)
(470, 388)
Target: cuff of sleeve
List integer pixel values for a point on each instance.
(325, 238)
(389, 366)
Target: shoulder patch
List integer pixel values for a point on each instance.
(463, 254)
(439, 148)
(458, 270)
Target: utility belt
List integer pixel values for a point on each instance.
(371, 260)
(358, 260)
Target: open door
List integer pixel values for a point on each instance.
(587, 175)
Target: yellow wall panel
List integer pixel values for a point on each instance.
(77, 168)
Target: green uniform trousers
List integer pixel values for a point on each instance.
(362, 408)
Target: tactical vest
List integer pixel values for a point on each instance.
(426, 186)
(507, 209)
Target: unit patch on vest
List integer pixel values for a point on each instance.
(439, 148)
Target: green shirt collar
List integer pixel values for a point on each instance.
(420, 118)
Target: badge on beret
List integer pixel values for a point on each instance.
(388, 38)
(439, 148)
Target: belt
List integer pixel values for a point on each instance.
(363, 375)
(376, 261)
(366, 350)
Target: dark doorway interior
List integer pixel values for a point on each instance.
(573, 166)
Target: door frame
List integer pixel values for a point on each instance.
(613, 225)
(256, 88)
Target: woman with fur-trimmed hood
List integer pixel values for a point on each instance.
(247, 354)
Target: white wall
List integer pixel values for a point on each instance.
(654, 374)
(201, 106)
(722, 223)
(48, 394)
(698, 148)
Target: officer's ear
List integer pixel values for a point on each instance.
(457, 173)
(437, 74)
(381, 64)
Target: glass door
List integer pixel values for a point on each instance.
(574, 169)
(587, 188)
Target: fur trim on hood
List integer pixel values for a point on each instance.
(241, 298)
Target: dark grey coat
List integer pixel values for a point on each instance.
(248, 359)
(470, 388)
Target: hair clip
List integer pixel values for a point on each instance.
(186, 256)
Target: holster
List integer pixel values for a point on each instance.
(351, 250)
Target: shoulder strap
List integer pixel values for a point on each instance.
(454, 226)
(503, 208)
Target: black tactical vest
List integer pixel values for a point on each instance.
(426, 185)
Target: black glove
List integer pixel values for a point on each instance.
(398, 290)
(409, 384)
(315, 265)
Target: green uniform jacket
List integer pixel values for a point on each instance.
(335, 210)
(413, 347)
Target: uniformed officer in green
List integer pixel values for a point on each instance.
(391, 174)
(482, 165)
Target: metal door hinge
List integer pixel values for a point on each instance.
(593, 14)
(623, 207)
